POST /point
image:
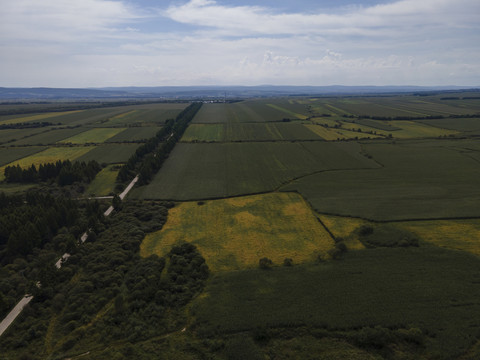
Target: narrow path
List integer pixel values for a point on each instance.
(12, 315)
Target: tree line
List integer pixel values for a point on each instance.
(149, 157)
(63, 172)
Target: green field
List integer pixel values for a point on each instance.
(7, 155)
(154, 114)
(235, 233)
(236, 132)
(135, 134)
(245, 111)
(415, 182)
(93, 136)
(459, 124)
(436, 293)
(110, 153)
(50, 136)
(8, 136)
(50, 117)
(201, 171)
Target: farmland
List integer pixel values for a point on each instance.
(202, 171)
(233, 234)
(367, 207)
(97, 135)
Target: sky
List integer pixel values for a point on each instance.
(104, 43)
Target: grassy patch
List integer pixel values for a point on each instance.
(452, 234)
(104, 182)
(235, 233)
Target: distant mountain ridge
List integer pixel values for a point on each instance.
(205, 92)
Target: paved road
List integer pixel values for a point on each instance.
(14, 313)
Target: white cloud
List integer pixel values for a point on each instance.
(102, 42)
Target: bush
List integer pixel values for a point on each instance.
(265, 263)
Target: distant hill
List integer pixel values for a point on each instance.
(205, 92)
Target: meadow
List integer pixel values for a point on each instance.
(235, 233)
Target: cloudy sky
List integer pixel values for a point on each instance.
(95, 43)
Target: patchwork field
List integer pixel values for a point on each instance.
(202, 171)
(9, 136)
(16, 119)
(235, 233)
(93, 136)
(49, 136)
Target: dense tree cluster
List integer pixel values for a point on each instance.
(63, 172)
(35, 229)
(149, 157)
(32, 221)
(116, 294)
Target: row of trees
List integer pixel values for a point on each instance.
(63, 172)
(149, 157)
(26, 125)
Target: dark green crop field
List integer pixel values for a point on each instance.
(235, 132)
(8, 136)
(433, 290)
(50, 136)
(110, 153)
(7, 155)
(199, 171)
(135, 134)
(415, 182)
(246, 111)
